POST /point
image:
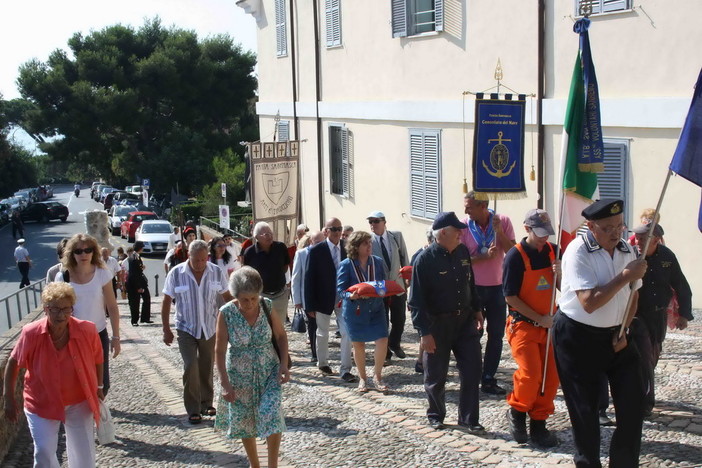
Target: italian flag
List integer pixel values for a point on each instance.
(579, 178)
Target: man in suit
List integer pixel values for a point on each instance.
(390, 246)
(298, 284)
(138, 287)
(321, 298)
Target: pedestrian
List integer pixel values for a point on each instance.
(322, 298)
(446, 315)
(17, 224)
(528, 278)
(390, 247)
(600, 271)
(365, 317)
(112, 265)
(84, 269)
(348, 229)
(251, 373)
(663, 279)
(63, 382)
(298, 285)
(488, 237)
(24, 263)
(180, 251)
(270, 258)
(138, 287)
(54, 270)
(220, 256)
(195, 284)
(419, 363)
(233, 249)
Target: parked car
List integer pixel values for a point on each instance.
(117, 215)
(97, 192)
(16, 203)
(135, 189)
(49, 191)
(93, 187)
(133, 221)
(44, 212)
(5, 212)
(124, 195)
(26, 196)
(155, 235)
(104, 191)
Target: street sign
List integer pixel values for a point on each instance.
(224, 216)
(146, 183)
(145, 195)
(224, 190)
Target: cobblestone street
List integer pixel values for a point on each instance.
(329, 424)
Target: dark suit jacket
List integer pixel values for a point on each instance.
(135, 273)
(320, 278)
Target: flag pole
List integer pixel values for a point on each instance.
(628, 315)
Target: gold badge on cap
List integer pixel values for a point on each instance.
(616, 209)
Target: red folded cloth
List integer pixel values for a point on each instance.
(377, 289)
(406, 272)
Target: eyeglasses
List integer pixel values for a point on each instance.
(374, 221)
(60, 310)
(335, 229)
(87, 250)
(611, 229)
(265, 234)
(221, 246)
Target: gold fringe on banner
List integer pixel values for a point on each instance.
(487, 196)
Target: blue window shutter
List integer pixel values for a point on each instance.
(280, 29)
(399, 18)
(438, 15)
(425, 173)
(333, 20)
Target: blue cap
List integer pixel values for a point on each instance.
(446, 219)
(603, 208)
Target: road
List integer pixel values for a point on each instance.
(41, 240)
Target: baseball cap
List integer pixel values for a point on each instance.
(540, 222)
(446, 219)
(376, 214)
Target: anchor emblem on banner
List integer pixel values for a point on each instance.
(275, 185)
(499, 158)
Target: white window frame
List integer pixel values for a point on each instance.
(344, 163)
(601, 7)
(404, 23)
(425, 172)
(281, 30)
(332, 9)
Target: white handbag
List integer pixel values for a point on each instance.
(106, 428)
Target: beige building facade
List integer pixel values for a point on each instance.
(376, 91)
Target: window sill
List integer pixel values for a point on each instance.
(424, 34)
(338, 46)
(608, 13)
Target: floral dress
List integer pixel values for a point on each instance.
(253, 370)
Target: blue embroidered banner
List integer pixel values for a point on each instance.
(498, 149)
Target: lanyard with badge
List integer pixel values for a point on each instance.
(361, 277)
(483, 239)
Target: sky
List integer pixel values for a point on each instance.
(34, 28)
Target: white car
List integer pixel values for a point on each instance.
(155, 235)
(118, 214)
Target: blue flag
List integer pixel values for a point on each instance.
(687, 160)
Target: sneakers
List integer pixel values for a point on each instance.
(517, 425)
(492, 388)
(541, 436)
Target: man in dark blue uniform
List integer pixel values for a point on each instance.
(445, 313)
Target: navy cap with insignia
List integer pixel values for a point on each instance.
(603, 209)
(446, 219)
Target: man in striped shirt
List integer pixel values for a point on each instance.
(196, 284)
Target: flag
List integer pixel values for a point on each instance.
(582, 152)
(687, 160)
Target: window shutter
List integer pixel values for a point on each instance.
(612, 183)
(614, 5)
(280, 33)
(438, 15)
(345, 162)
(399, 18)
(425, 173)
(284, 130)
(333, 19)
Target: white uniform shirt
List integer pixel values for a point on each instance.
(113, 265)
(21, 254)
(586, 265)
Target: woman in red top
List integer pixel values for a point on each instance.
(63, 358)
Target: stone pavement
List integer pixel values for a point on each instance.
(330, 425)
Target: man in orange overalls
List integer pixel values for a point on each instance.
(527, 283)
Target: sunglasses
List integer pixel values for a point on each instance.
(374, 221)
(335, 229)
(87, 250)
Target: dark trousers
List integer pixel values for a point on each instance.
(133, 296)
(584, 357)
(460, 335)
(492, 303)
(17, 228)
(23, 268)
(312, 334)
(650, 351)
(396, 315)
(105, 342)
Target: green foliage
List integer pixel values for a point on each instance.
(17, 169)
(152, 103)
(228, 169)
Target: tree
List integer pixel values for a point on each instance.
(150, 103)
(16, 166)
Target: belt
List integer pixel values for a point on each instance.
(517, 317)
(590, 328)
(454, 313)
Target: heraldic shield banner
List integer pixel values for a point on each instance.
(498, 149)
(274, 181)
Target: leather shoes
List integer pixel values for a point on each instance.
(326, 370)
(436, 424)
(475, 429)
(399, 352)
(348, 377)
(147, 321)
(604, 420)
(492, 388)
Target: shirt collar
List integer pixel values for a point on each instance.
(331, 245)
(592, 245)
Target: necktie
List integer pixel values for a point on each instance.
(386, 255)
(336, 257)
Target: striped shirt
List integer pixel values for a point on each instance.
(196, 305)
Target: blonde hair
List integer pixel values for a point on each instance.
(56, 291)
(648, 213)
(304, 241)
(354, 242)
(69, 261)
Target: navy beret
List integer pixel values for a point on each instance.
(603, 209)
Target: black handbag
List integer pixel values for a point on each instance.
(275, 343)
(298, 322)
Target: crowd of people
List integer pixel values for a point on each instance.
(229, 306)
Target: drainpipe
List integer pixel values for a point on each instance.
(540, 101)
(317, 98)
(293, 69)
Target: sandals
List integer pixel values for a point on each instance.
(194, 418)
(381, 386)
(211, 411)
(362, 386)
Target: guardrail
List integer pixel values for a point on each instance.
(18, 305)
(214, 225)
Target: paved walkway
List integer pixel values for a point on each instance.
(330, 425)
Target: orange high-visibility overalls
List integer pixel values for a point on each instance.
(528, 343)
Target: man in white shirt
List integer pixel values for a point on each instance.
(600, 272)
(24, 263)
(192, 283)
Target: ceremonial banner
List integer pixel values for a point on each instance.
(498, 149)
(687, 160)
(582, 151)
(274, 181)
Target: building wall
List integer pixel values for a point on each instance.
(380, 86)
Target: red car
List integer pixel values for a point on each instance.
(129, 227)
